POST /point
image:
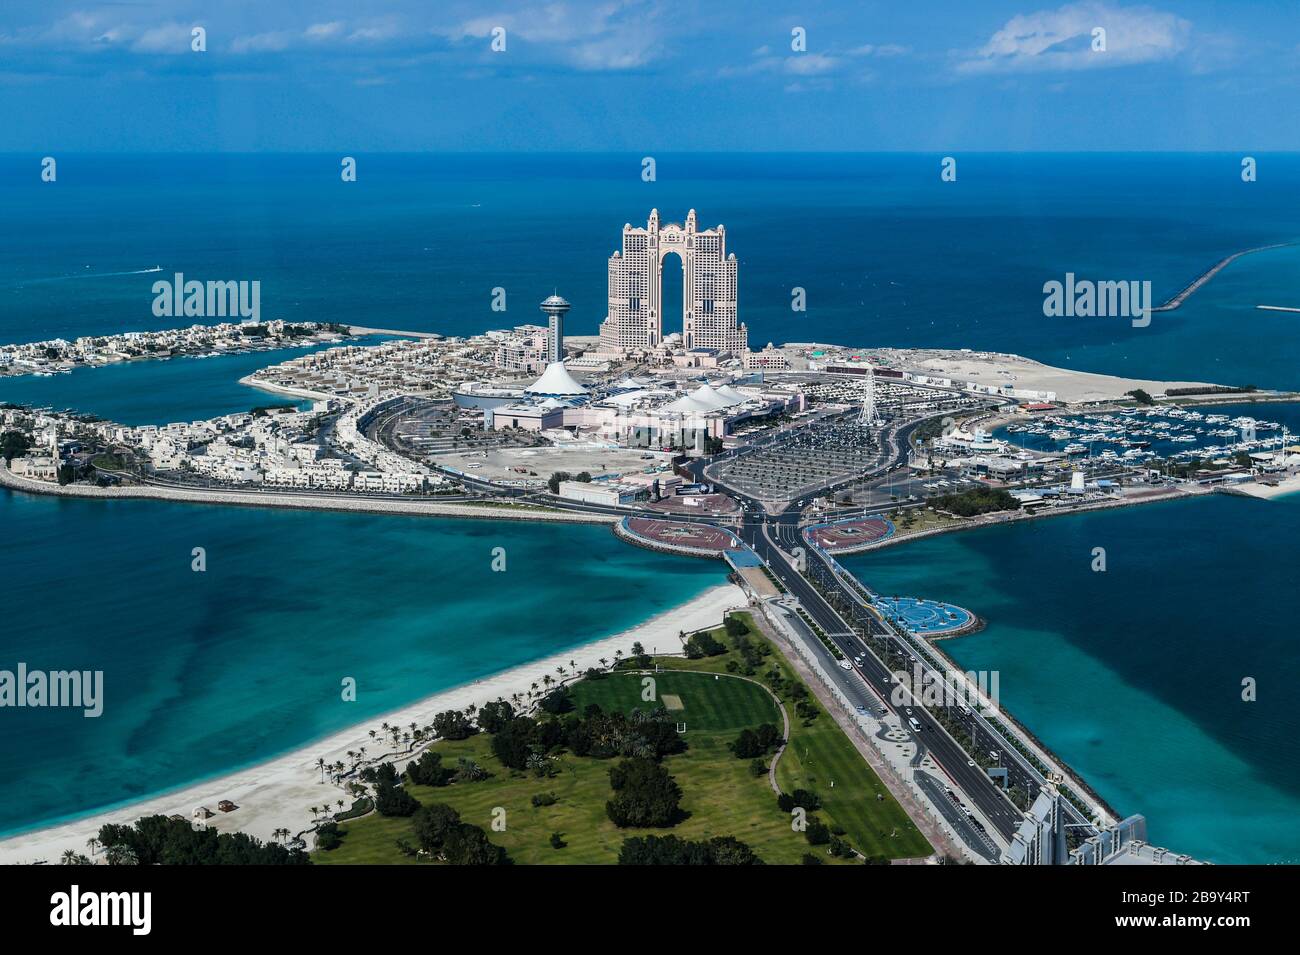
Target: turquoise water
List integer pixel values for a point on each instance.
(887, 253)
(156, 392)
(1133, 676)
(209, 672)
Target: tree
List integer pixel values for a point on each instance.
(14, 444)
(702, 644)
(392, 800)
(159, 840)
(327, 837)
(453, 724)
(558, 701)
(644, 794)
(817, 833)
(671, 850)
(746, 745)
(495, 715)
(441, 833)
(428, 770)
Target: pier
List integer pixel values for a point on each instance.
(1210, 273)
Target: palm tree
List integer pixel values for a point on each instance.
(372, 734)
(92, 844)
(604, 662)
(69, 857)
(320, 764)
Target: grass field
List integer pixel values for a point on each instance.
(721, 797)
(709, 702)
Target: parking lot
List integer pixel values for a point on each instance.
(804, 460)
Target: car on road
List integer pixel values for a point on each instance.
(915, 725)
(858, 661)
(863, 711)
(909, 710)
(846, 665)
(970, 762)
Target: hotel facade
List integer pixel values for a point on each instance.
(635, 318)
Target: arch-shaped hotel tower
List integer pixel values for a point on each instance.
(635, 318)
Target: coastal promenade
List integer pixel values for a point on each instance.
(301, 501)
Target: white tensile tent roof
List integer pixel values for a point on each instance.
(556, 380)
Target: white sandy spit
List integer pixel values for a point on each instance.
(279, 793)
(1070, 385)
(1288, 485)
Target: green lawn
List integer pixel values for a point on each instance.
(721, 797)
(708, 702)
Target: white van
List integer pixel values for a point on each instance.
(916, 727)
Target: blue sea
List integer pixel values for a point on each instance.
(1129, 675)
(1134, 675)
(184, 388)
(887, 253)
(209, 672)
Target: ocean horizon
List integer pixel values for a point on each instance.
(887, 253)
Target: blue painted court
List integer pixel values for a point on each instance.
(926, 618)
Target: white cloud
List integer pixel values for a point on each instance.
(172, 38)
(610, 36)
(323, 31)
(1054, 40)
(272, 42)
(810, 64)
(882, 50)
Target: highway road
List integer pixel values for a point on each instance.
(876, 676)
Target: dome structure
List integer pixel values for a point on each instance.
(709, 397)
(556, 381)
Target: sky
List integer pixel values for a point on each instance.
(650, 75)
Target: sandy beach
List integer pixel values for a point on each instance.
(279, 793)
(1266, 492)
(1068, 384)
